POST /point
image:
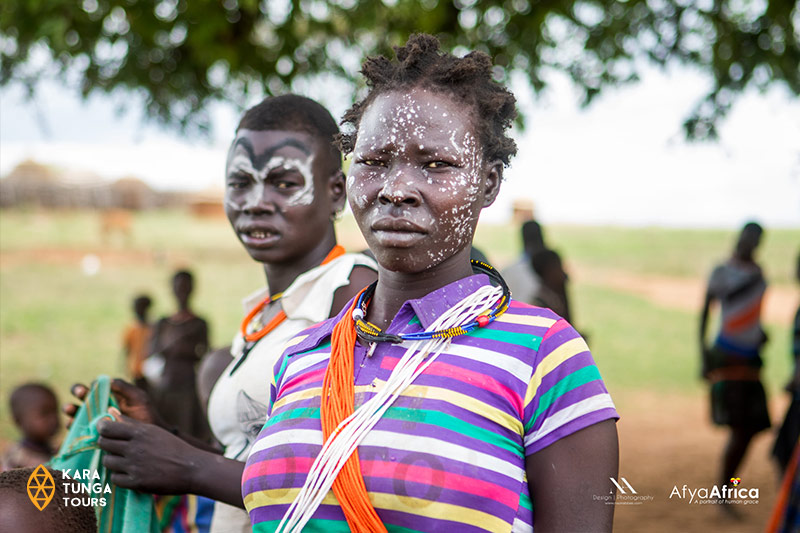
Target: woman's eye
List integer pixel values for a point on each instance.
(372, 163)
(437, 164)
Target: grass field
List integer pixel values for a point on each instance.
(60, 325)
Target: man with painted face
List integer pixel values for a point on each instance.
(443, 405)
(732, 365)
(283, 188)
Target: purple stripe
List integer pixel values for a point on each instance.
(437, 494)
(571, 365)
(571, 427)
(572, 397)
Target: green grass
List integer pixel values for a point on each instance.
(61, 326)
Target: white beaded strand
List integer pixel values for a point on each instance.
(344, 440)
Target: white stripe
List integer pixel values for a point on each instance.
(399, 442)
(568, 414)
(520, 527)
(520, 370)
(304, 362)
(291, 436)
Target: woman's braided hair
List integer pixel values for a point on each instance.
(422, 63)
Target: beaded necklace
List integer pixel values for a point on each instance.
(370, 333)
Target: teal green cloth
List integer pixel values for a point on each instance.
(126, 511)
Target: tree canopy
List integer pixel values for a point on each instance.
(182, 54)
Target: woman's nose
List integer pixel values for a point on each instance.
(400, 188)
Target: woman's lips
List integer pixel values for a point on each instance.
(397, 232)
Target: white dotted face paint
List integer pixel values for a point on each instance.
(417, 164)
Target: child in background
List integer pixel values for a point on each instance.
(35, 410)
(136, 340)
(20, 515)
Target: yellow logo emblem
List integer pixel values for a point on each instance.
(41, 487)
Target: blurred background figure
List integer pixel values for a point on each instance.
(520, 277)
(136, 340)
(182, 340)
(789, 433)
(552, 292)
(786, 513)
(733, 363)
(34, 407)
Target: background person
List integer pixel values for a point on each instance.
(732, 364)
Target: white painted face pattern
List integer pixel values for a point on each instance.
(240, 162)
(421, 123)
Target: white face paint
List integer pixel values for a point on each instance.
(241, 163)
(418, 151)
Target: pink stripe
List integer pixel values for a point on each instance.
(555, 328)
(283, 465)
(394, 470)
(439, 478)
(302, 379)
(520, 305)
(467, 376)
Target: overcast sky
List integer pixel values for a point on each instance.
(621, 161)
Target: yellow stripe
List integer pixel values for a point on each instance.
(294, 340)
(438, 510)
(526, 320)
(264, 498)
(393, 502)
(569, 349)
(508, 421)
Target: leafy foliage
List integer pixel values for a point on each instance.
(181, 54)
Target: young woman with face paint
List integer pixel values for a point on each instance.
(433, 401)
(283, 188)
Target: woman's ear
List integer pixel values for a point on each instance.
(493, 176)
(338, 190)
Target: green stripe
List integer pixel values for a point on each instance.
(566, 384)
(285, 360)
(520, 339)
(314, 525)
(525, 501)
(315, 349)
(414, 321)
(420, 416)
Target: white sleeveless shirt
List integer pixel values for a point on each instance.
(237, 407)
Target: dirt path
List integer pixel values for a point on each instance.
(680, 446)
(780, 303)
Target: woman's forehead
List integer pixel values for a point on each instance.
(414, 114)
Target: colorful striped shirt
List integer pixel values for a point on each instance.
(450, 452)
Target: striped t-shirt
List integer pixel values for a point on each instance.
(450, 452)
